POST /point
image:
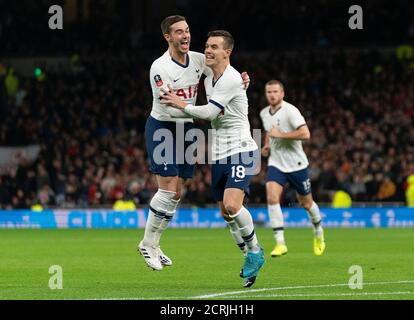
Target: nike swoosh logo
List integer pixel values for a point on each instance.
(238, 180)
(176, 80)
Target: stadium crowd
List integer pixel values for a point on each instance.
(89, 125)
(89, 120)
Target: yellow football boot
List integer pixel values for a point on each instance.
(279, 250)
(319, 245)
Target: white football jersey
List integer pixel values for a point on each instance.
(285, 154)
(183, 79)
(231, 134)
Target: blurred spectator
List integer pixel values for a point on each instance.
(410, 191)
(358, 187)
(46, 196)
(341, 199)
(386, 190)
(12, 83)
(328, 183)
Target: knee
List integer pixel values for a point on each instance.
(272, 194)
(272, 199)
(306, 204)
(177, 195)
(225, 215)
(177, 191)
(170, 184)
(231, 207)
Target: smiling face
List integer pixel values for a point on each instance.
(215, 51)
(179, 37)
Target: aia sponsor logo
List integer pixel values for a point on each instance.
(188, 93)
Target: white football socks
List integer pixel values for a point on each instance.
(235, 233)
(244, 221)
(276, 222)
(158, 209)
(315, 217)
(166, 221)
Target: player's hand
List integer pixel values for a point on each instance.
(246, 80)
(169, 98)
(265, 151)
(275, 132)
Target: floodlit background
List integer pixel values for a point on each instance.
(81, 95)
(73, 106)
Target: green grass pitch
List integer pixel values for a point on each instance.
(104, 264)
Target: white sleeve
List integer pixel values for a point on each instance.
(159, 79)
(207, 112)
(176, 113)
(296, 119)
(222, 95)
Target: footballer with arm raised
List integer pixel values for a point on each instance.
(233, 149)
(179, 69)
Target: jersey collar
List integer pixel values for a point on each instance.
(215, 82)
(187, 62)
(270, 109)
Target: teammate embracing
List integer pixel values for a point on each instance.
(235, 154)
(286, 128)
(180, 69)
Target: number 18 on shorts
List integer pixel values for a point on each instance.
(234, 172)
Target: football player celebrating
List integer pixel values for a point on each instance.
(180, 69)
(234, 152)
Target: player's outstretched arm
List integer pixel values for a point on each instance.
(302, 133)
(177, 113)
(206, 112)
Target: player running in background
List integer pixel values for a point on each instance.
(180, 69)
(286, 128)
(234, 152)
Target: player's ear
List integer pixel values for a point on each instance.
(167, 37)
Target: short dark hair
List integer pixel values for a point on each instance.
(169, 21)
(227, 37)
(273, 82)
